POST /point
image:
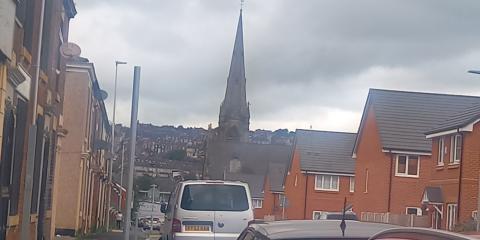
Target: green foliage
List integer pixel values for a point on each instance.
(178, 154)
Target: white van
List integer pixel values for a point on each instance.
(207, 209)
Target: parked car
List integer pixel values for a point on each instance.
(207, 209)
(312, 229)
(150, 223)
(338, 216)
(418, 234)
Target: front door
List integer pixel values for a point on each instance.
(437, 217)
(5, 169)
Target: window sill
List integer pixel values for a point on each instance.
(453, 165)
(439, 167)
(407, 176)
(326, 191)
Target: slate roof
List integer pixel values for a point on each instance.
(458, 120)
(403, 118)
(255, 182)
(434, 194)
(324, 151)
(256, 159)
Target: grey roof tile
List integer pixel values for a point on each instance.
(256, 159)
(404, 117)
(434, 194)
(458, 120)
(325, 151)
(255, 182)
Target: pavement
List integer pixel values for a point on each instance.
(117, 235)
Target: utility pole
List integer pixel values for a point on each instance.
(110, 183)
(121, 178)
(133, 141)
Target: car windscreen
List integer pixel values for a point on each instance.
(214, 197)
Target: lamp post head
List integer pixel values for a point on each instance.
(120, 62)
(474, 71)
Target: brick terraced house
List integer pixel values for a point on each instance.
(393, 156)
(452, 193)
(321, 174)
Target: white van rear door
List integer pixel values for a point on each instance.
(233, 212)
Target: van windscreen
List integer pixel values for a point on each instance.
(212, 197)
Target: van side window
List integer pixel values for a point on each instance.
(171, 200)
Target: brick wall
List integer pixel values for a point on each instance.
(298, 183)
(470, 173)
(371, 169)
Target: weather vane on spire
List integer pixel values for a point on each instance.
(241, 4)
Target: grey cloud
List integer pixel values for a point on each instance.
(301, 56)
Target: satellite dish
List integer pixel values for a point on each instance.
(69, 50)
(103, 95)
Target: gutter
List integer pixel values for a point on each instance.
(390, 182)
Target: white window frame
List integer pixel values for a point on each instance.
(441, 152)
(474, 214)
(331, 189)
(317, 212)
(352, 184)
(452, 209)
(255, 202)
(407, 157)
(419, 211)
(454, 147)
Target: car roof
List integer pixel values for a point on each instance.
(189, 182)
(318, 229)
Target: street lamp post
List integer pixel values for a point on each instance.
(113, 143)
(121, 177)
(153, 205)
(477, 219)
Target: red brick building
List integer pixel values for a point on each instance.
(393, 156)
(452, 195)
(320, 175)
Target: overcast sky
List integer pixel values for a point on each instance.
(308, 62)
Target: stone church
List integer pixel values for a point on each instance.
(230, 154)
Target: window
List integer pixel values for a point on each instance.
(281, 200)
(413, 211)
(366, 181)
(326, 182)
(407, 166)
(456, 149)
(451, 216)
(213, 197)
(474, 215)
(257, 203)
(352, 184)
(317, 215)
(441, 151)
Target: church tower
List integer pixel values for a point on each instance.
(234, 118)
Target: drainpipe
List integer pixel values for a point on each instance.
(305, 198)
(460, 176)
(390, 181)
(32, 135)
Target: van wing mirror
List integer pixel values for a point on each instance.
(163, 208)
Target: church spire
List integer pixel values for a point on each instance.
(234, 112)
